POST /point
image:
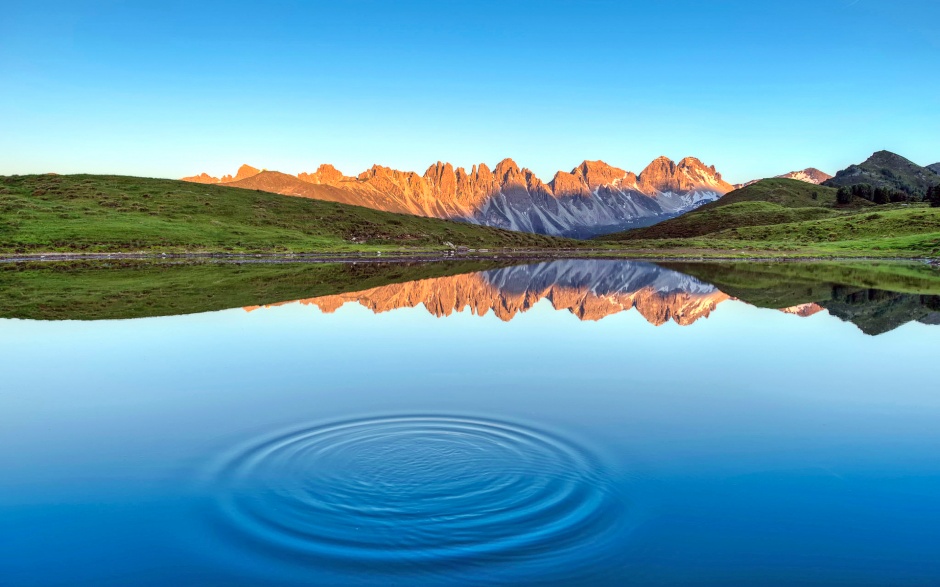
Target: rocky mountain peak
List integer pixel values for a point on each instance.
(509, 196)
(246, 171)
(202, 178)
(325, 174)
(598, 173)
(442, 178)
(659, 176)
(506, 169)
(569, 184)
(689, 175)
(809, 175)
(695, 163)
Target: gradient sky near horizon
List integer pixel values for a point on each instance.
(756, 88)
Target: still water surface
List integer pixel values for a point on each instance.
(572, 422)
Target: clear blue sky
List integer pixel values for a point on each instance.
(754, 87)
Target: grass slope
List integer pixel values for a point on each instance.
(790, 193)
(135, 289)
(788, 215)
(95, 213)
(770, 201)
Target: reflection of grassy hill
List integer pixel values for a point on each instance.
(111, 213)
(784, 215)
(876, 311)
(133, 289)
(778, 285)
(877, 297)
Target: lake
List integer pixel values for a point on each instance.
(590, 422)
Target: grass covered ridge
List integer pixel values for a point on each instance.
(771, 201)
(106, 213)
(791, 216)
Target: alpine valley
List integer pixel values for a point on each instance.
(593, 198)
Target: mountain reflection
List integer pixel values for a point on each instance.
(875, 296)
(594, 289)
(591, 290)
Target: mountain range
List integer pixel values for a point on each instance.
(593, 198)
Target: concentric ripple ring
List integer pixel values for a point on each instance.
(415, 490)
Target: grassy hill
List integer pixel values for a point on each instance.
(767, 202)
(887, 170)
(789, 193)
(105, 213)
(790, 216)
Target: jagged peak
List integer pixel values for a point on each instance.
(328, 168)
(569, 184)
(694, 162)
(439, 168)
(325, 174)
(505, 166)
(588, 165)
(565, 174)
(246, 171)
(660, 163)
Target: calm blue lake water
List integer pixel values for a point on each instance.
(589, 423)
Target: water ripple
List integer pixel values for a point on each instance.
(418, 491)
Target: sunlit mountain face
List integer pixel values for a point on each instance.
(593, 198)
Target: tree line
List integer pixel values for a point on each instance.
(933, 196)
(879, 195)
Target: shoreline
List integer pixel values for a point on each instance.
(442, 256)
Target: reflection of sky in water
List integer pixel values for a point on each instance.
(798, 445)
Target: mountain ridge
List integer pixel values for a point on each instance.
(594, 197)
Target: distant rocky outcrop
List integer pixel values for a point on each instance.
(935, 168)
(804, 310)
(244, 172)
(809, 175)
(593, 198)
